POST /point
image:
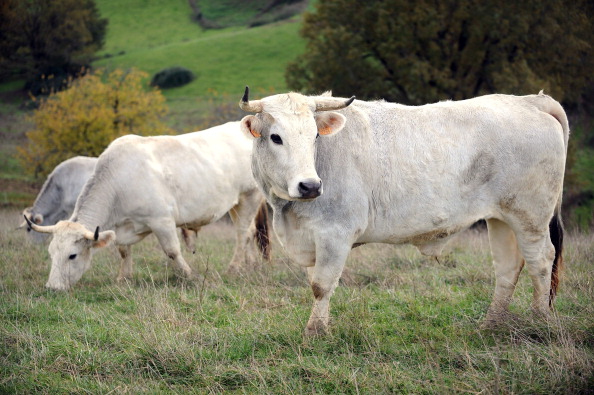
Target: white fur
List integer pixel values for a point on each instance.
(155, 184)
(399, 174)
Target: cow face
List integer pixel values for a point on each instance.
(71, 249)
(286, 128)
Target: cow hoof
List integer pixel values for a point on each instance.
(542, 315)
(489, 324)
(315, 331)
(123, 279)
(499, 320)
(234, 270)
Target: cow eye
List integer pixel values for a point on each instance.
(72, 256)
(276, 139)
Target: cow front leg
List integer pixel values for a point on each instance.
(324, 276)
(127, 265)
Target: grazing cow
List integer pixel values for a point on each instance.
(58, 194)
(399, 174)
(155, 184)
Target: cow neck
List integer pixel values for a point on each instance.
(46, 198)
(95, 206)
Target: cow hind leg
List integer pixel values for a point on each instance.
(189, 236)
(242, 214)
(169, 242)
(508, 263)
(539, 252)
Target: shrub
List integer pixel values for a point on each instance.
(43, 38)
(172, 77)
(86, 117)
(425, 51)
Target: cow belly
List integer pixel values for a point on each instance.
(201, 212)
(130, 232)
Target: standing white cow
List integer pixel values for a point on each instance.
(155, 184)
(400, 174)
(57, 196)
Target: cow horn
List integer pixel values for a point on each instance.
(332, 104)
(38, 228)
(247, 106)
(93, 236)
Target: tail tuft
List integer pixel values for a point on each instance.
(262, 237)
(556, 232)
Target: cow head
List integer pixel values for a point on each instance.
(286, 128)
(71, 249)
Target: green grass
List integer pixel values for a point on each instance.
(223, 63)
(400, 323)
(244, 11)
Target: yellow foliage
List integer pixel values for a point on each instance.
(90, 114)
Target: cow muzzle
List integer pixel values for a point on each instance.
(310, 188)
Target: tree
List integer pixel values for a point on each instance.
(86, 117)
(422, 51)
(48, 37)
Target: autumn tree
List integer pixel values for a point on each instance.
(86, 117)
(422, 51)
(41, 37)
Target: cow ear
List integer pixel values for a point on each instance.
(329, 122)
(38, 219)
(252, 125)
(104, 239)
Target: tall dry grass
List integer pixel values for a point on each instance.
(401, 323)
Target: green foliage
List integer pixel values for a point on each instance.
(579, 183)
(172, 77)
(86, 117)
(48, 37)
(424, 51)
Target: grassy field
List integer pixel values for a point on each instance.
(401, 323)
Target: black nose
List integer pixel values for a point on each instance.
(310, 189)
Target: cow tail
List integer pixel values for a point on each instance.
(553, 108)
(261, 232)
(556, 232)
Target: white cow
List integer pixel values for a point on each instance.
(57, 196)
(398, 174)
(155, 184)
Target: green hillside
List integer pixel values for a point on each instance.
(151, 36)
